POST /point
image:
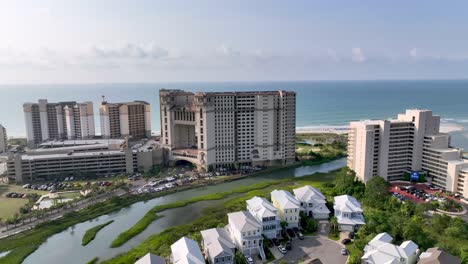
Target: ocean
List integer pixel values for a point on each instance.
(319, 103)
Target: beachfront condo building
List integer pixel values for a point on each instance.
(129, 119)
(410, 145)
(222, 130)
(3, 140)
(63, 120)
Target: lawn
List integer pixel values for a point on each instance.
(10, 206)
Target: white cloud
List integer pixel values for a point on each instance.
(130, 51)
(357, 55)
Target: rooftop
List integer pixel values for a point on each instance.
(244, 221)
(217, 241)
(309, 194)
(151, 259)
(346, 203)
(285, 199)
(261, 207)
(186, 251)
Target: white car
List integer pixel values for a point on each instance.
(282, 249)
(249, 259)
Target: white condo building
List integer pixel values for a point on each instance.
(64, 120)
(129, 119)
(410, 143)
(246, 232)
(288, 207)
(3, 140)
(226, 129)
(186, 251)
(312, 201)
(266, 214)
(381, 250)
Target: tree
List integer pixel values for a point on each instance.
(283, 224)
(376, 191)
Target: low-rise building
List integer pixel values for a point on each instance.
(186, 251)
(82, 157)
(436, 256)
(288, 207)
(348, 213)
(151, 259)
(266, 214)
(381, 250)
(312, 201)
(217, 246)
(246, 232)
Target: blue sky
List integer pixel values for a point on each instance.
(103, 41)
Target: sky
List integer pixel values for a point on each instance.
(111, 41)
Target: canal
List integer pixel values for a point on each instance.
(66, 246)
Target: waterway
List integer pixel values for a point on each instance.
(67, 244)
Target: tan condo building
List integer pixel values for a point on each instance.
(228, 129)
(411, 144)
(63, 120)
(3, 140)
(130, 119)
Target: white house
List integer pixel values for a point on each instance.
(186, 251)
(288, 207)
(246, 232)
(348, 213)
(266, 214)
(217, 246)
(151, 259)
(312, 202)
(380, 250)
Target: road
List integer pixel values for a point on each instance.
(12, 231)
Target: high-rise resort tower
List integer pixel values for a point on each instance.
(3, 139)
(228, 129)
(129, 119)
(409, 145)
(63, 120)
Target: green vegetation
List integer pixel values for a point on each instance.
(308, 224)
(328, 147)
(93, 261)
(136, 229)
(215, 216)
(92, 232)
(403, 221)
(151, 215)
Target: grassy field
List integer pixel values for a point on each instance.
(10, 206)
(214, 216)
(91, 233)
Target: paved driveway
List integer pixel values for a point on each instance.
(327, 251)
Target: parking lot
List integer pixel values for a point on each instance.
(311, 248)
(418, 193)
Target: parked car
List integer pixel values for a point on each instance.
(249, 259)
(282, 249)
(344, 251)
(291, 233)
(300, 235)
(345, 241)
(288, 245)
